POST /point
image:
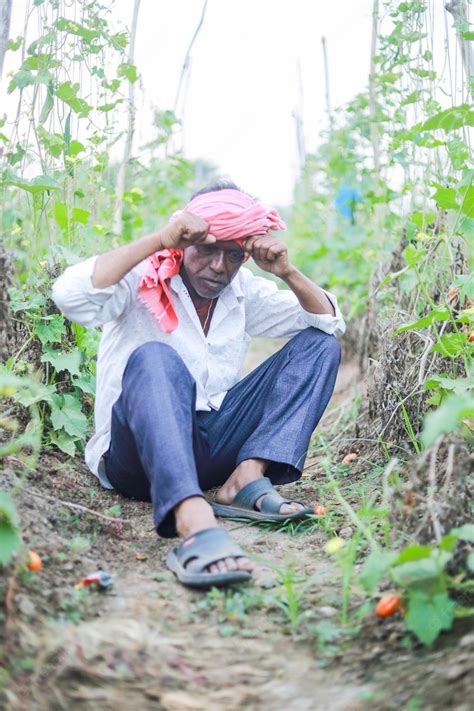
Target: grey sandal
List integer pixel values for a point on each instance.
(189, 560)
(243, 506)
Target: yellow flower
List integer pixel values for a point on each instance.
(334, 545)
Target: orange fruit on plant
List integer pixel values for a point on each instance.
(320, 510)
(34, 562)
(388, 605)
(470, 338)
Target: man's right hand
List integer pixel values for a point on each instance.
(185, 230)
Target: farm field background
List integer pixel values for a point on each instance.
(370, 602)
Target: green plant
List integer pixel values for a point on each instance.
(10, 538)
(419, 572)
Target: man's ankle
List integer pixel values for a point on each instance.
(193, 515)
(247, 471)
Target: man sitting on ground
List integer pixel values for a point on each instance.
(172, 418)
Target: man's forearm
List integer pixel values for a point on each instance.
(310, 296)
(112, 266)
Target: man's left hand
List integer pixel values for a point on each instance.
(269, 253)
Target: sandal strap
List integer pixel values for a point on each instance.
(272, 501)
(206, 547)
(250, 493)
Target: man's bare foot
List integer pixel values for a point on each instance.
(247, 471)
(195, 514)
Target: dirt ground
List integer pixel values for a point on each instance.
(148, 643)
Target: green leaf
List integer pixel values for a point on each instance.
(412, 98)
(466, 194)
(80, 215)
(470, 562)
(74, 28)
(38, 392)
(465, 282)
(42, 183)
(53, 142)
(60, 360)
(66, 414)
(86, 383)
(119, 40)
(443, 382)
(412, 255)
(61, 215)
(109, 107)
(428, 616)
(48, 103)
(52, 330)
(129, 71)
(413, 552)
(448, 417)
(465, 532)
(439, 314)
(445, 198)
(375, 568)
(67, 92)
(450, 345)
(64, 442)
(77, 214)
(450, 119)
(14, 44)
(9, 528)
(76, 147)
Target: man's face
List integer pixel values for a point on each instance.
(209, 268)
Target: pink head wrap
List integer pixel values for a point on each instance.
(231, 215)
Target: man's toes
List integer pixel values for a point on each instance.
(291, 508)
(213, 568)
(221, 564)
(231, 563)
(244, 564)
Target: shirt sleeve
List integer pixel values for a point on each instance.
(79, 301)
(276, 313)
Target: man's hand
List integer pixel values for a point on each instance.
(185, 230)
(269, 253)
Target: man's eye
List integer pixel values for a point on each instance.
(236, 257)
(206, 250)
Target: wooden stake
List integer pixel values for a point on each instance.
(122, 171)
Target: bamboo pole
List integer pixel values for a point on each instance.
(5, 17)
(374, 134)
(458, 9)
(326, 82)
(122, 171)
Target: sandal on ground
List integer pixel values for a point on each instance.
(243, 506)
(189, 560)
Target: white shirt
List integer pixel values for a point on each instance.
(248, 306)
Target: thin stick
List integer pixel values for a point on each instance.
(187, 56)
(122, 171)
(326, 81)
(437, 529)
(5, 17)
(374, 136)
(77, 507)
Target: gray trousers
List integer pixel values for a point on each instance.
(163, 451)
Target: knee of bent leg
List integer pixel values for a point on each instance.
(325, 341)
(154, 357)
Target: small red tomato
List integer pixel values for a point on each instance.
(34, 562)
(320, 510)
(470, 338)
(388, 605)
